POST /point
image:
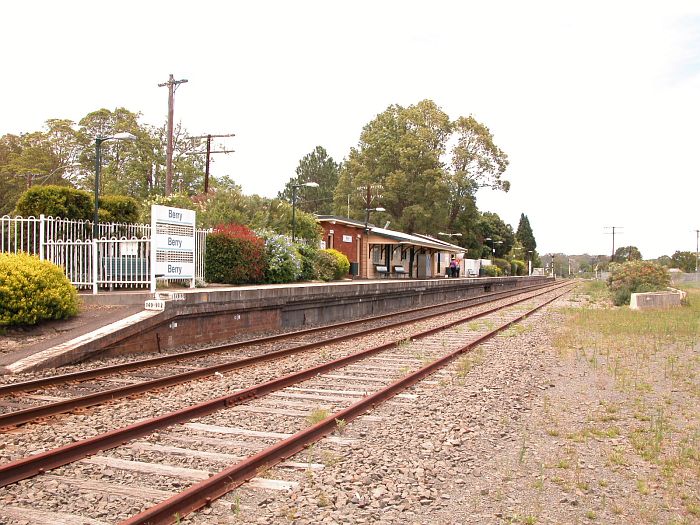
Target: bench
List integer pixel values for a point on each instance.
(383, 271)
(120, 269)
(400, 271)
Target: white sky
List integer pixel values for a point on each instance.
(595, 103)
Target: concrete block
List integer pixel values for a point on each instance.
(651, 300)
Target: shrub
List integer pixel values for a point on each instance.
(636, 276)
(326, 266)
(283, 262)
(32, 290)
(309, 256)
(342, 267)
(234, 255)
(118, 208)
(56, 201)
(503, 265)
(518, 267)
(491, 270)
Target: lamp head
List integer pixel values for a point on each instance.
(379, 209)
(125, 135)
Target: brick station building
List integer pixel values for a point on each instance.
(380, 253)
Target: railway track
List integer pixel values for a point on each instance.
(26, 401)
(249, 430)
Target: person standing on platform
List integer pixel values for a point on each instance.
(453, 267)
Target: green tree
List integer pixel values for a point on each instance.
(684, 260)
(525, 236)
(399, 155)
(627, 253)
(491, 226)
(403, 154)
(318, 167)
(666, 261)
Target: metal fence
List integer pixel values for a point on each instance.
(119, 258)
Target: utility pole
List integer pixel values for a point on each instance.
(172, 86)
(613, 228)
(208, 154)
(697, 238)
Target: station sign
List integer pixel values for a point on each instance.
(172, 244)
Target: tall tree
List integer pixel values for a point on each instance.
(684, 260)
(491, 226)
(476, 163)
(525, 236)
(403, 153)
(318, 167)
(627, 253)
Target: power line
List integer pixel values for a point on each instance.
(208, 153)
(172, 86)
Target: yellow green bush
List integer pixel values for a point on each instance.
(32, 290)
(342, 263)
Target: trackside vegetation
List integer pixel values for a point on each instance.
(237, 255)
(646, 422)
(32, 290)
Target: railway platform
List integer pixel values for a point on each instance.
(117, 322)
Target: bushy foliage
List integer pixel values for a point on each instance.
(342, 264)
(503, 265)
(309, 256)
(234, 255)
(491, 270)
(118, 208)
(56, 201)
(283, 262)
(636, 277)
(326, 266)
(518, 267)
(32, 290)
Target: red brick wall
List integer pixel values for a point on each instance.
(349, 249)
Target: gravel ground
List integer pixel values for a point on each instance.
(501, 436)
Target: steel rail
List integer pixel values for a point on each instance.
(19, 417)
(143, 363)
(39, 463)
(204, 492)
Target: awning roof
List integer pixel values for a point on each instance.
(424, 241)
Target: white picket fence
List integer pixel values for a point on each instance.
(119, 258)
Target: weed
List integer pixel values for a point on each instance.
(323, 500)
(236, 506)
(642, 487)
(340, 426)
(591, 515)
(317, 415)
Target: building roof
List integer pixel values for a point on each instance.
(424, 241)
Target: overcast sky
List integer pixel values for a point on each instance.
(595, 103)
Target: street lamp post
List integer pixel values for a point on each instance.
(98, 168)
(493, 245)
(529, 262)
(294, 204)
(367, 210)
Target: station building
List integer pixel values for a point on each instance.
(381, 253)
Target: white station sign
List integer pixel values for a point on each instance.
(172, 243)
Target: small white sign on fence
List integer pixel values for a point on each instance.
(172, 244)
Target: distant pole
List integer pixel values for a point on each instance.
(172, 86)
(613, 228)
(697, 237)
(208, 153)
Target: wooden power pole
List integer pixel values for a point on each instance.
(208, 153)
(172, 86)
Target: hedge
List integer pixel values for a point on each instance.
(56, 201)
(32, 290)
(234, 255)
